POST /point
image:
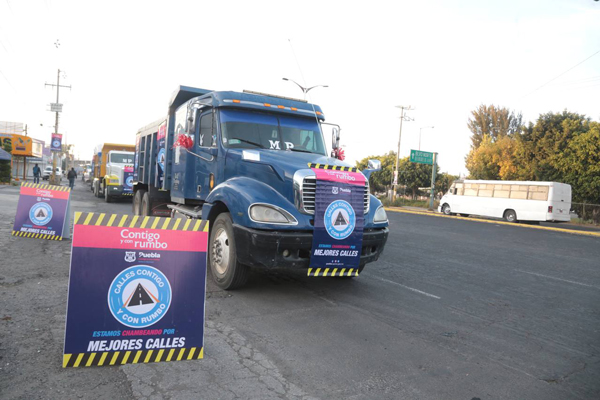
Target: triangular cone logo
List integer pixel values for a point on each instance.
(340, 220)
(139, 297)
(41, 214)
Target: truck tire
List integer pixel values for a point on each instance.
(227, 272)
(145, 206)
(107, 197)
(136, 204)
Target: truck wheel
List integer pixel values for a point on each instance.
(145, 210)
(227, 272)
(510, 216)
(107, 196)
(136, 204)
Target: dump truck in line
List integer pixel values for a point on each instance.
(241, 161)
(112, 171)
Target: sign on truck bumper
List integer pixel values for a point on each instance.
(118, 190)
(282, 249)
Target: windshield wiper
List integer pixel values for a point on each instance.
(299, 150)
(249, 142)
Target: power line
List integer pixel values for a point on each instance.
(558, 76)
(4, 76)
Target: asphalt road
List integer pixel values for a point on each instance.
(454, 309)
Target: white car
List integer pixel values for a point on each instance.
(48, 171)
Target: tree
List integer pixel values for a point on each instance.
(414, 175)
(443, 182)
(410, 174)
(494, 160)
(5, 164)
(559, 147)
(379, 180)
(493, 121)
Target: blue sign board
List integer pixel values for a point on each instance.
(136, 290)
(339, 221)
(42, 212)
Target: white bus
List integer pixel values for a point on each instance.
(512, 200)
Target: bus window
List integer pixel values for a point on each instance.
(518, 192)
(538, 193)
(471, 189)
(502, 191)
(485, 190)
(459, 189)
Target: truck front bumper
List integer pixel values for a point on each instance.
(265, 249)
(118, 190)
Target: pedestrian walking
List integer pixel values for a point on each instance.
(36, 174)
(71, 176)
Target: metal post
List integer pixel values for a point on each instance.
(433, 168)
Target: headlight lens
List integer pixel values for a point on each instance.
(271, 215)
(380, 215)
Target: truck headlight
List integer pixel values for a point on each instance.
(270, 214)
(380, 215)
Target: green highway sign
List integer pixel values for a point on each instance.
(421, 157)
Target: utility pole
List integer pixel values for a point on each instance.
(53, 179)
(402, 118)
(433, 168)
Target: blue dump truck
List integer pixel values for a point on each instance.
(245, 161)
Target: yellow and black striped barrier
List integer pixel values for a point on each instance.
(334, 272)
(137, 221)
(37, 235)
(131, 357)
(46, 186)
(332, 167)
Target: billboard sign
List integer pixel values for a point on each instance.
(42, 212)
(56, 143)
(136, 290)
(339, 221)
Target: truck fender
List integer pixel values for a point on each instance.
(237, 194)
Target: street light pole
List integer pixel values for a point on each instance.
(420, 129)
(402, 118)
(304, 90)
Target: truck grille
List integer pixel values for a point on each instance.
(309, 188)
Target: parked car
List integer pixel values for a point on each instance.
(48, 171)
(87, 173)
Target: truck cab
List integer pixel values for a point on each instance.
(113, 174)
(241, 161)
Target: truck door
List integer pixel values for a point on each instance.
(206, 153)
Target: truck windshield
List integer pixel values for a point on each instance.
(251, 130)
(121, 158)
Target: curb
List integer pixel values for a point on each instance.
(546, 228)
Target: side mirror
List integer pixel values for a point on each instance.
(374, 165)
(335, 138)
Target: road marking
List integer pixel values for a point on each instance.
(406, 287)
(547, 228)
(558, 279)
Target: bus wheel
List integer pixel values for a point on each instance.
(510, 216)
(446, 209)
